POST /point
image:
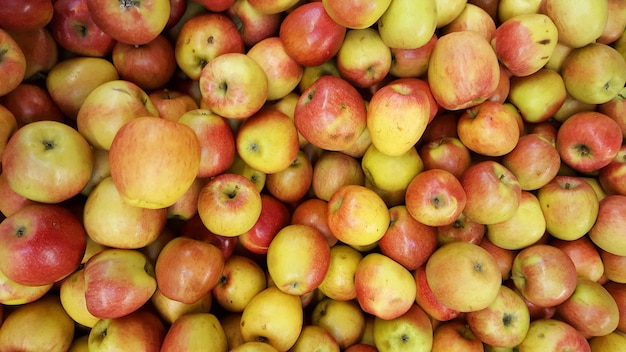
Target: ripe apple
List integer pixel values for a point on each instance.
(131, 23)
(41, 244)
(544, 275)
(510, 8)
(332, 170)
(139, 173)
(46, 315)
(526, 227)
(357, 216)
(613, 266)
(356, 15)
(72, 295)
(343, 319)
(534, 161)
(13, 63)
(594, 73)
(585, 256)
(309, 34)
(412, 62)
(283, 73)
(268, 141)
(455, 336)
(172, 104)
(493, 192)
(475, 18)
(272, 6)
(8, 126)
(463, 276)
(618, 292)
(195, 331)
(292, 184)
(412, 331)
(535, 32)
(312, 337)
(29, 103)
(614, 109)
(73, 28)
(233, 85)
(611, 342)
(504, 323)
(229, 204)
(240, 280)
(110, 221)
(498, 128)
(605, 232)
(591, 309)
(397, 116)
(384, 301)
(141, 330)
(204, 37)
(401, 17)
(118, 282)
(363, 59)
(259, 321)
(170, 310)
(273, 217)
(338, 283)
(391, 173)
(566, 19)
(569, 205)
(446, 153)
(553, 334)
(187, 269)
(312, 212)
(240, 167)
(461, 229)
(611, 177)
(463, 70)
(539, 95)
(255, 25)
(298, 259)
(39, 48)
(14, 294)
(330, 113)
(435, 197)
(26, 15)
(150, 65)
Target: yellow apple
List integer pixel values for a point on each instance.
(568, 15)
(72, 295)
(315, 338)
(339, 280)
(448, 10)
(363, 59)
(101, 170)
(391, 173)
(13, 293)
(241, 280)
(195, 331)
(412, 331)
(511, 8)
(524, 228)
(344, 320)
(418, 17)
(253, 346)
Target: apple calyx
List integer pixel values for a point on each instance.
(20, 231)
(130, 3)
(583, 150)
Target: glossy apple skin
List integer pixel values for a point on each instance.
(25, 15)
(274, 216)
(30, 102)
(194, 228)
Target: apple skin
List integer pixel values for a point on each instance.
(118, 282)
(13, 65)
(140, 330)
(618, 292)
(591, 309)
(332, 170)
(614, 109)
(255, 25)
(343, 319)
(412, 62)
(605, 232)
(364, 59)
(455, 336)
(134, 24)
(72, 295)
(14, 294)
(39, 48)
(29, 103)
(26, 15)
(498, 128)
(195, 331)
(172, 104)
(74, 29)
(48, 237)
(412, 331)
(170, 310)
(195, 229)
(187, 269)
(611, 176)
(459, 81)
(585, 256)
(241, 279)
(274, 216)
(461, 229)
(544, 275)
(504, 257)
(447, 153)
(317, 41)
(313, 336)
(356, 15)
(553, 334)
(312, 212)
(612, 342)
(534, 161)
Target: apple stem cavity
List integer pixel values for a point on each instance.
(130, 3)
(20, 231)
(48, 145)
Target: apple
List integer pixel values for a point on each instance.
(616, 18)
(171, 310)
(493, 192)
(195, 331)
(29, 103)
(215, 5)
(569, 205)
(312, 73)
(397, 116)
(46, 315)
(41, 244)
(240, 167)
(131, 23)
(313, 336)
(273, 217)
(204, 37)
(504, 257)
(118, 282)
(8, 126)
(138, 173)
(330, 113)
(139, 330)
(589, 81)
(611, 342)
(110, 221)
(26, 15)
(14, 294)
(292, 184)
(412, 62)
(384, 301)
(441, 126)
(611, 176)
(472, 17)
(412, 331)
(187, 269)
(463, 70)
(13, 63)
(544, 275)
(498, 128)
(39, 48)
(612, 266)
(357, 15)
(455, 335)
(272, 7)
(332, 170)
(401, 17)
(534, 161)
(535, 32)
(553, 334)
(344, 320)
(585, 256)
(150, 65)
(233, 85)
(72, 295)
(253, 346)
(510, 8)
(338, 283)
(566, 19)
(618, 292)
(253, 24)
(461, 229)
(614, 108)
(259, 321)
(240, 280)
(309, 34)
(605, 232)
(73, 28)
(357, 215)
(194, 228)
(312, 212)
(391, 173)
(361, 347)
(283, 73)
(172, 104)
(545, 86)
(229, 204)
(363, 58)
(446, 153)
(591, 309)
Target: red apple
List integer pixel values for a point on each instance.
(489, 128)
(332, 170)
(613, 175)
(312, 212)
(141, 330)
(26, 15)
(461, 229)
(11, 201)
(12, 64)
(606, 231)
(29, 103)
(254, 24)
(534, 161)
(613, 265)
(172, 104)
(412, 62)
(504, 257)
(455, 336)
(618, 292)
(426, 299)
(274, 216)
(585, 256)
(293, 183)
(216, 5)
(446, 153)
(40, 50)
(553, 335)
(195, 229)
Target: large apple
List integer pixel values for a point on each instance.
(498, 128)
(538, 96)
(390, 173)
(195, 331)
(473, 17)
(566, 18)
(585, 255)
(140, 331)
(412, 331)
(12, 63)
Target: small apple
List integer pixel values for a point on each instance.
(534, 161)
(585, 255)
(274, 216)
(315, 337)
(39, 48)
(358, 14)
(253, 24)
(461, 229)
(498, 128)
(332, 170)
(293, 183)
(401, 17)
(14, 294)
(363, 58)
(72, 295)
(170, 310)
(240, 280)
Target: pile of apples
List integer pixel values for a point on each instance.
(292, 175)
